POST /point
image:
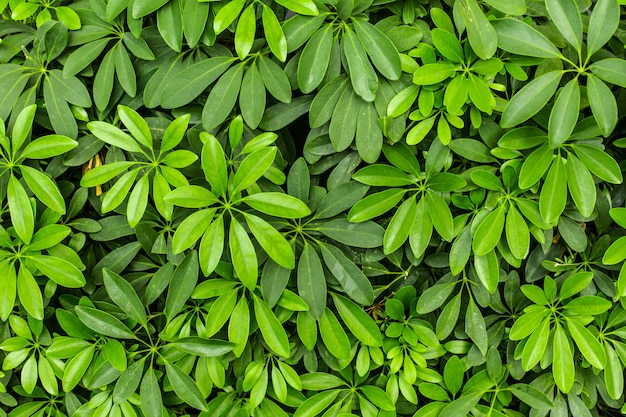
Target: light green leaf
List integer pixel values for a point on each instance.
(59, 270)
(587, 343)
(114, 136)
(303, 7)
(150, 394)
(138, 201)
(333, 335)
(191, 196)
(314, 59)
(517, 233)
(272, 242)
(29, 293)
(48, 146)
(530, 99)
(212, 246)
(553, 197)
(564, 114)
(581, 185)
(358, 321)
(185, 387)
(243, 255)
(376, 204)
(136, 125)
(311, 281)
(400, 226)
(520, 38)
(566, 17)
(599, 163)
(603, 104)
(44, 188)
(271, 328)
(563, 362)
(274, 34)
(244, 35)
(481, 35)
(222, 97)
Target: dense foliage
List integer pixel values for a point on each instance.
(312, 208)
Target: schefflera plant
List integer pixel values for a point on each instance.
(231, 198)
(149, 161)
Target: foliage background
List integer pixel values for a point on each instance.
(312, 208)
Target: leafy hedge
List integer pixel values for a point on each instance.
(312, 208)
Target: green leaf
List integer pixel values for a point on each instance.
(150, 394)
(243, 255)
(460, 251)
(531, 396)
(400, 226)
(174, 133)
(185, 387)
(128, 382)
(610, 70)
(358, 321)
(271, 328)
(587, 343)
(59, 270)
(536, 345)
(191, 196)
(239, 326)
(453, 374)
(313, 406)
(325, 101)
(212, 246)
(124, 295)
(252, 168)
(354, 283)
(22, 127)
(252, 97)
(489, 231)
(379, 48)
(114, 136)
(487, 270)
(222, 97)
(563, 362)
(214, 164)
(29, 293)
(530, 99)
(535, 165)
(103, 323)
(275, 79)
(195, 15)
(311, 281)
(244, 34)
(553, 197)
(364, 79)
(203, 347)
(448, 45)
(272, 242)
(475, 327)
(460, 406)
(138, 201)
(603, 23)
(304, 7)
(333, 336)
(616, 253)
(103, 80)
(369, 136)
(191, 228)
(59, 112)
(277, 204)
(182, 283)
(81, 57)
(274, 34)
(518, 37)
(613, 378)
(480, 33)
(378, 397)
(440, 216)
(343, 125)
(192, 81)
(48, 146)
(136, 125)
(76, 368)
(603, 104)
(44, 188)
(314, 59)
(517, 233)
(383, 175)
(103, 174)
(566, 17)
(575, 284)
(119, 191)
(48, 236)
(581, 185)
(227, 15)
(361, 235)
(434, 73)
(510, 7)
(599, 163)
(564, 114)
(376, 204)
(125, 70)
